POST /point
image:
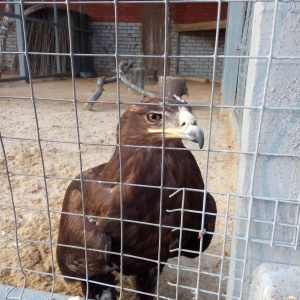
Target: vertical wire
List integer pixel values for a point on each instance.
(209, 139)
(274, 224)
(180, 241)
(39, 141)
(165, 57)
(15, 216)
(223, 247)
(120, 148)
(297, 229)
(78, 143)
(257, 142)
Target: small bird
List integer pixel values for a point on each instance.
(125, 215)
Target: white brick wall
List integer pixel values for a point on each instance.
(102, 41)
(11, 46)
(130, 42)
(197, 43)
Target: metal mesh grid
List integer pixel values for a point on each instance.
(79, 145)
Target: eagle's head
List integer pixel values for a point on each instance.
(147, 122)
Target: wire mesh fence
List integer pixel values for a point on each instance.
(48, 137)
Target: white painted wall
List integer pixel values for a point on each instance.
(275, 177)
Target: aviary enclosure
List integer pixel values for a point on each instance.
(62, 96)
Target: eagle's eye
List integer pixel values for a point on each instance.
(154, 117)
(188, 108)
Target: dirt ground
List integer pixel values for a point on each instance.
(37, 199)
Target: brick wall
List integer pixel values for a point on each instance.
(102, 41)
(197, 43)
(185, 13)
(129, 13)
(2, 8)
(11, 46)
(11, 42)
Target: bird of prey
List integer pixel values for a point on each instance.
(119, 216)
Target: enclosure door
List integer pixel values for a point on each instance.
(153, 35)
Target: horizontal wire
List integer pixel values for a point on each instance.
(258, 197)
(226, 235)
(279, 108)
(169, 56)
(238, 195)
(152, 147)
(145, 1)
(229, 236)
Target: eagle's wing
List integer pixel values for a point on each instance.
(83, 228)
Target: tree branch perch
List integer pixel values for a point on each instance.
(124, 68)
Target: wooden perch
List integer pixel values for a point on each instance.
(212, 25)
(136, 76)
(173, 85)
(124, 68)
(137, 89)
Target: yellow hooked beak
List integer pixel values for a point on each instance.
(186, 128)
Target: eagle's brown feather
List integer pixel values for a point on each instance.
(102, 205)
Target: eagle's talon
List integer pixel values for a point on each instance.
(201, 233)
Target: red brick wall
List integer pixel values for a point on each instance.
(129, 13)
(181, 13)
(185, 13)
(2, 7)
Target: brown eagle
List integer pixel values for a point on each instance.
(120, 216)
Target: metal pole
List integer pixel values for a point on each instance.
(57, 44)
(20, 43)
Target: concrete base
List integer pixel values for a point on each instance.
(8, 292)
(276, 282)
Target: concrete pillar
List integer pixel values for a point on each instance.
(233, 38)
(20, 42)
(268, 229)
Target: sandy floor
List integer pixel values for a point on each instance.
(37, 199)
